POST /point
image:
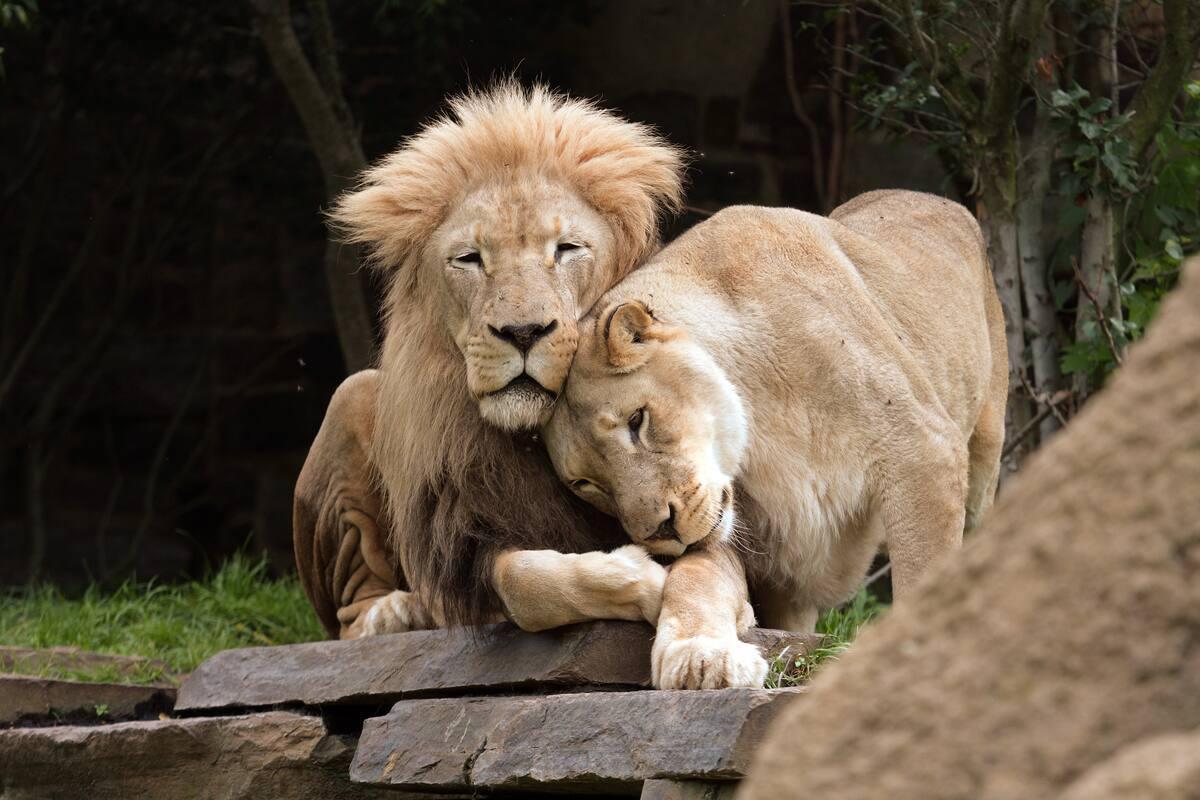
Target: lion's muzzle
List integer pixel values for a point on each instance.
(517, 371)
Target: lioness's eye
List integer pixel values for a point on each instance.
(471, 257)
(636, 419)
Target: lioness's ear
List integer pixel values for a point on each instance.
(630, 330)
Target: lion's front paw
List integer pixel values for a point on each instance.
(706, 662)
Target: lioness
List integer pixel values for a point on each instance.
(496, 227)
(802, 388)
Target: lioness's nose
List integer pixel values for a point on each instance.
(666, 529)
(524, 337)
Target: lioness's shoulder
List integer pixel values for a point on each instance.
(740, 225)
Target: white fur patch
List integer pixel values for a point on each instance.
(390, 614)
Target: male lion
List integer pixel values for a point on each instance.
(497, 227)
(848, 374)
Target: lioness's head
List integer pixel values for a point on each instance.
(503, 222)
(649, 430)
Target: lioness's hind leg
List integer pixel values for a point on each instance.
(923, 505)
(983, 456)
(338, 529)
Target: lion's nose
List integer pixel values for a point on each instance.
(666, 529)
(524, 337)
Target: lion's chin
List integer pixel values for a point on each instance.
(521, 405)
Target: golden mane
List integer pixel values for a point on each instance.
(622, 169)
(457, 490)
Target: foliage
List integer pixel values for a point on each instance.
(16, 14)
(840, 626)
(1160, 220)
(933, 69)
(1101, 158)
(178, 625)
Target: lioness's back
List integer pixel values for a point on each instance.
(897, 268)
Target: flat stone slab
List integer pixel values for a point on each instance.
(381, 669)
(24, 698)
(274, 754)
(587, 742)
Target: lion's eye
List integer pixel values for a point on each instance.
(636, 420)
(470, 257)
(566, 249)
(582, 485)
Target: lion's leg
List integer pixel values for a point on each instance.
(705, 607)
(544, 589)
(338, 528)
(923, 506)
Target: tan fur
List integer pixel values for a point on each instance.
(519, 208)
(801, 387)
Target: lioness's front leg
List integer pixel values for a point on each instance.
(544, 589)
(705, 608)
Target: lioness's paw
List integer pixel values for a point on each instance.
(706, 662)
(392, 613)
(643, 577)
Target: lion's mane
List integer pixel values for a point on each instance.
(457, 490)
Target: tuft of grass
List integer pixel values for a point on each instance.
(840, 626)
(176, 625)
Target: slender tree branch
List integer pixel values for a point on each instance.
(1017, 439)
(927, 53)
(1099, 308)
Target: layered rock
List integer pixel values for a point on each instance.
(274, 754)
(1069, 630)
(595, 741)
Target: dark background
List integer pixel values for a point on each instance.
(167, 347)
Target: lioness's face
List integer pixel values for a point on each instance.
(521, 260)
(650, 430)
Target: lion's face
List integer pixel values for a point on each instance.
(520, 260)
(650, 430)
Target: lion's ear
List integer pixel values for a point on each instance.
(630, 333)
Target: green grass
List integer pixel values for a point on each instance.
(840, 626)
(177, 624)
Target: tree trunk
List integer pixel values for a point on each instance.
(999, 222)
(1097, 269)
(335, 142)
(1039, 303)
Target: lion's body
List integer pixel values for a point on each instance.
(866, 359)
(497, 228)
